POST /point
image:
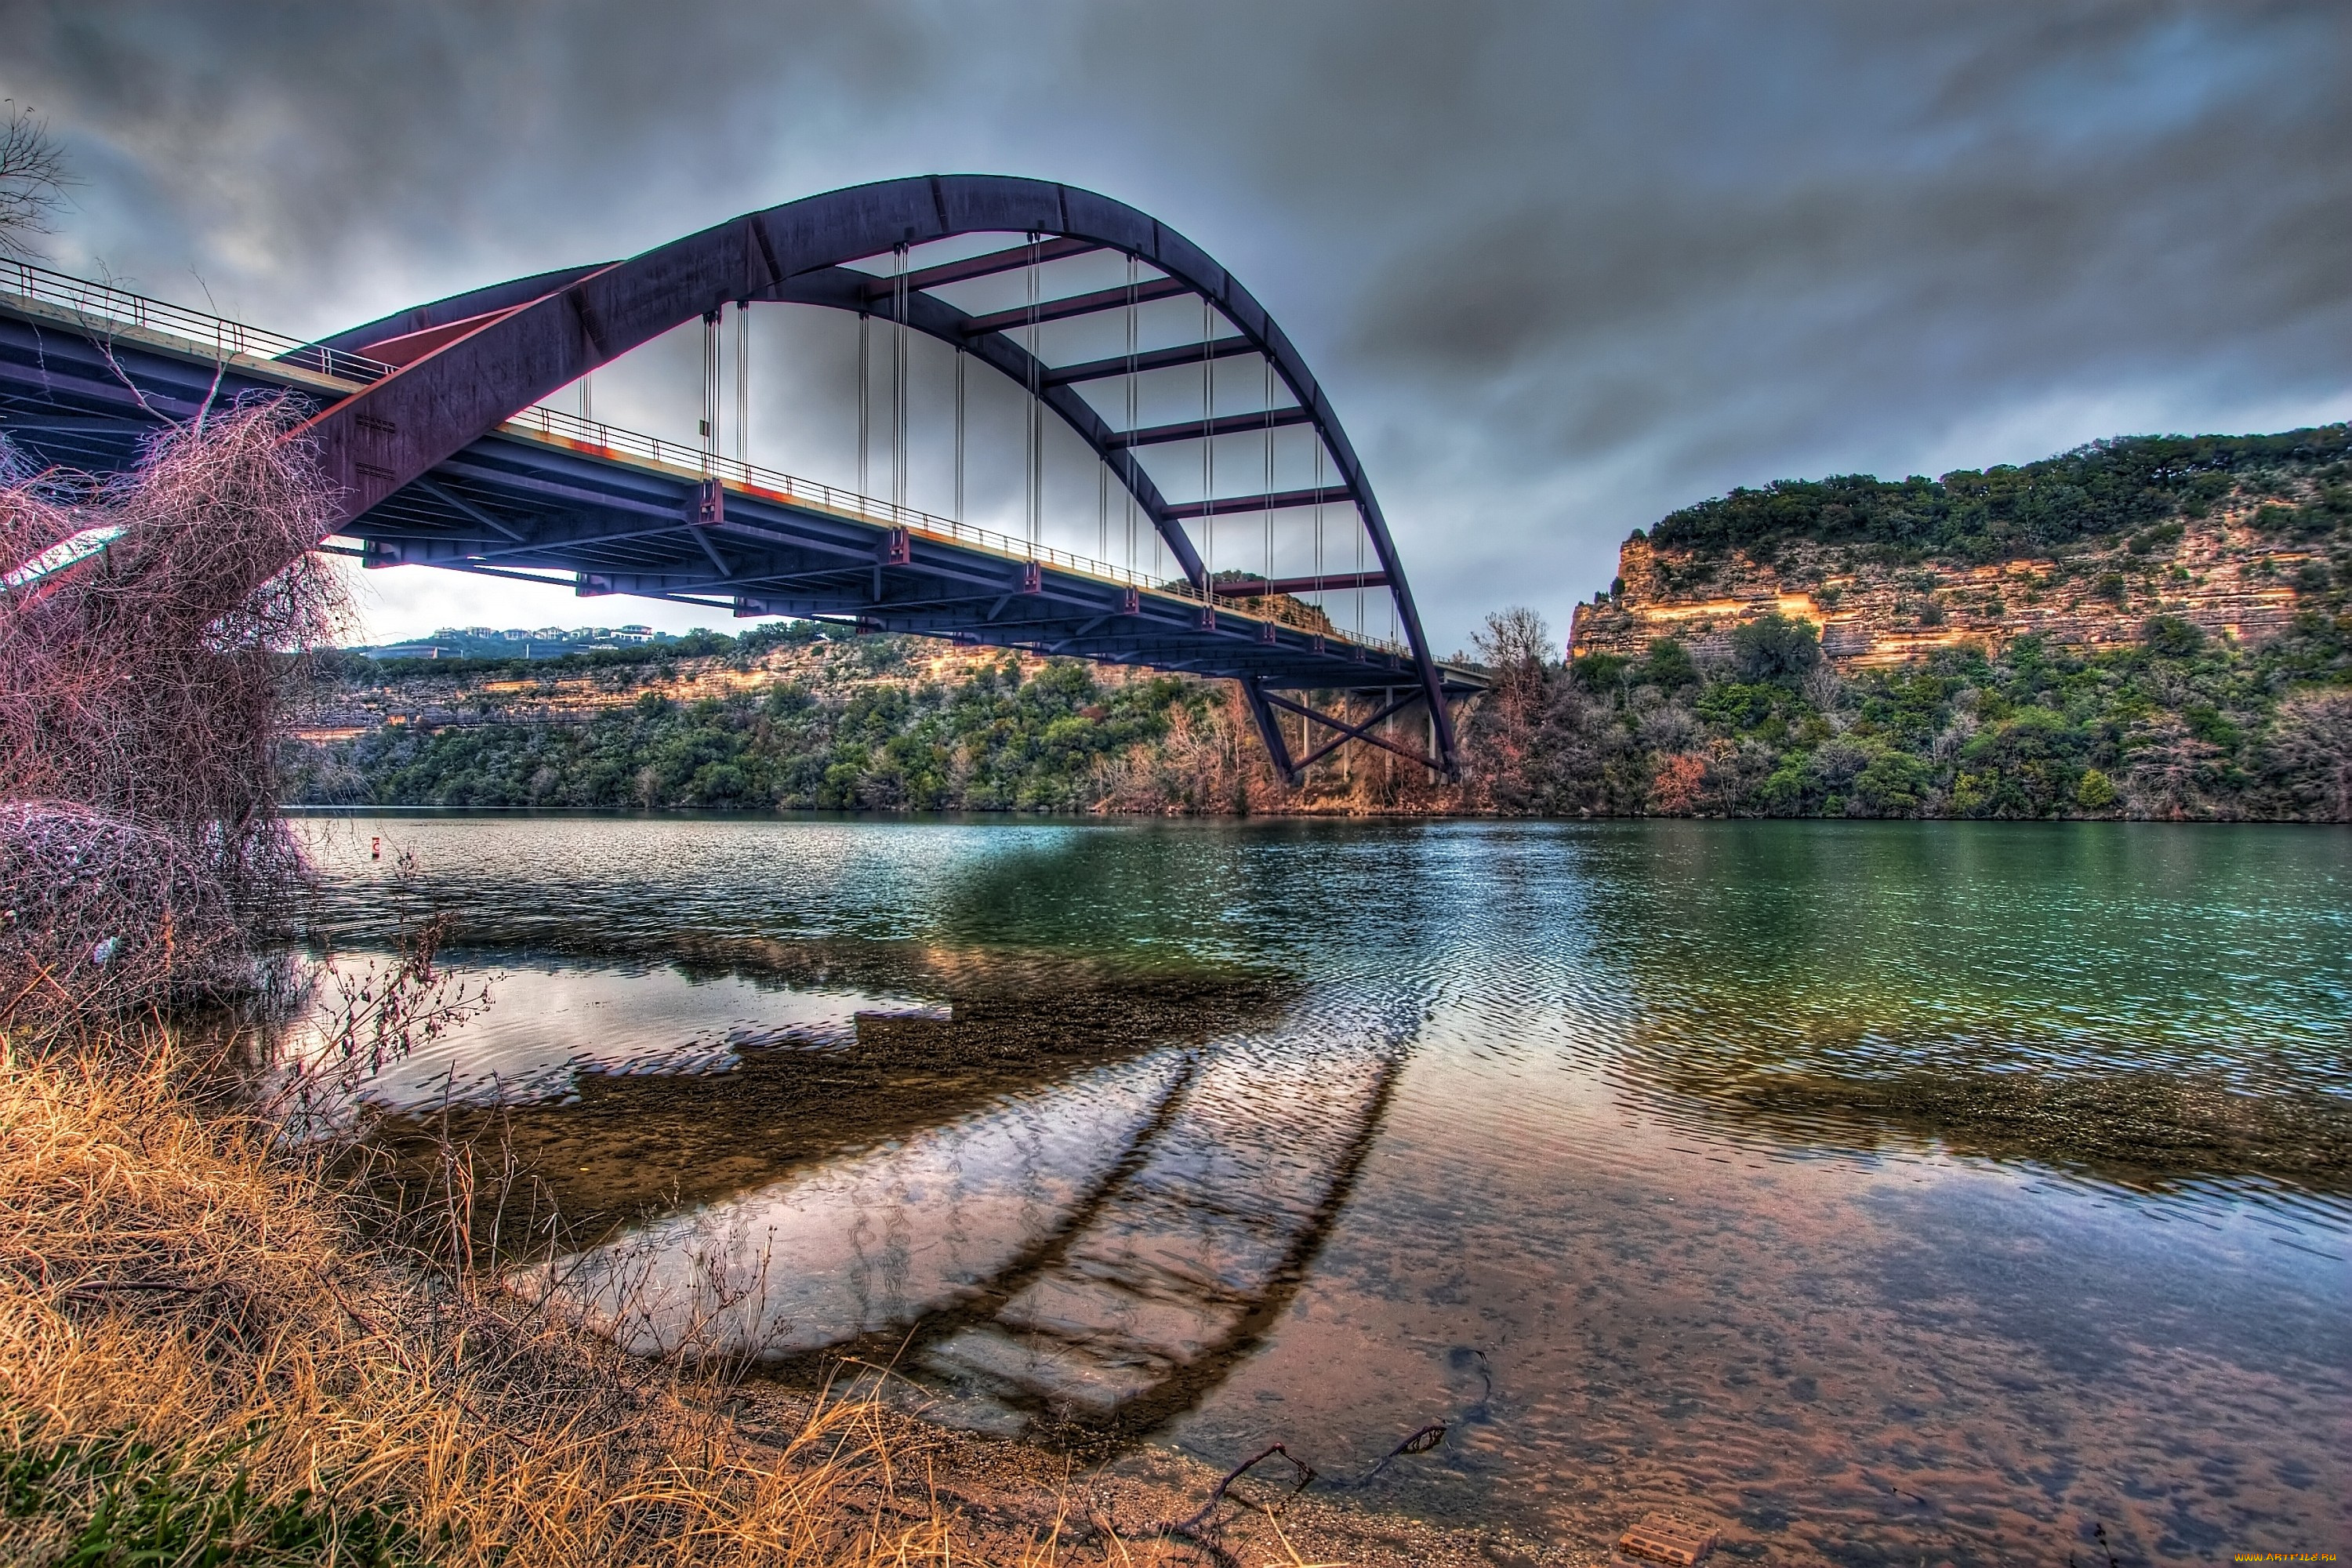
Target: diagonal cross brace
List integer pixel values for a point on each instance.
(1352, 732)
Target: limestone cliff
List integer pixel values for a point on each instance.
(2222, 571)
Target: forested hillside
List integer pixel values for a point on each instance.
(2174, 725)
(2152, 626)
(786, 718)
(2177, 724)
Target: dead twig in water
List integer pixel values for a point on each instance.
(1420, 1442)
(1197, 1529)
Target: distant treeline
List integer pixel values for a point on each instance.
(995, 742)
(2299, 481)
(2176, 726)
(358, 668)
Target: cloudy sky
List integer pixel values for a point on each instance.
(1560, 268)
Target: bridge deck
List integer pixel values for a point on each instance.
(87, 372)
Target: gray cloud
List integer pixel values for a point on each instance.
(1562, 267)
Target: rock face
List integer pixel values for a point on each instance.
(2219, 571)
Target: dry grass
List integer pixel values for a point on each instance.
(181, 1301)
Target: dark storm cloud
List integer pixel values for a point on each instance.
(295, 139)
(2055, 202)
(1560, 268)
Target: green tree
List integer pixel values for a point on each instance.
(1776, 648)
(2171, 637)
(2096, 792)
(1668, 666)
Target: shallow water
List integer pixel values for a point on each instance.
(1895, 1192)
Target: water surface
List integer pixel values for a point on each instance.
(1895, 1192)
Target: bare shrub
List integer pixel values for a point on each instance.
(1501, 735)
(1668, 727)
(144, 691)
(1674, 789)
(1826, 690)
(71, 874)
(2172, 772)
(368, 1018)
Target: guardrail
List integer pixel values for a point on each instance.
(96, 307)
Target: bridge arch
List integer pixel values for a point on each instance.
(467, 364)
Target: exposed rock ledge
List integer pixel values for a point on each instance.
(2220, 573)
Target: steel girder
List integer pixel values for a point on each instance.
(469, 363)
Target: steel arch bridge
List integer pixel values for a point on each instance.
(431, 424)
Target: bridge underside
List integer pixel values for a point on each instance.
(523, 502)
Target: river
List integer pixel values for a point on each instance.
(1896, 1192)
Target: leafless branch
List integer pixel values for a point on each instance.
(33, 179)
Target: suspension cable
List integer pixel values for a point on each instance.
(1208, 445)
(958, 432)
(743, 381)
(1036, 431)
(588, 398)
(709, 389)
(1130, 422)
(1360, 576)
(1318, 518)
(898, 374)
(863, 417)
(1267, 489)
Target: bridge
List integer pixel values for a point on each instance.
(434, 425)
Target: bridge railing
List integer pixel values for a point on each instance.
(554, 424)
(101, 306)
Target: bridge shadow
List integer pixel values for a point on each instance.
(1175, 1270)
(1066, 1203)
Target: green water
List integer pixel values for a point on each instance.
(1891, 1191)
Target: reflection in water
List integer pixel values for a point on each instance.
(1894, 1191)
(627, 1131)
(868, 1243)
(2147, 1131)
(1177, 1266)
(1070, 1209)
(1091, 1257)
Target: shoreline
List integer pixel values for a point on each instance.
(1110, 819)
(2171, 726)
(1009, 1486)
